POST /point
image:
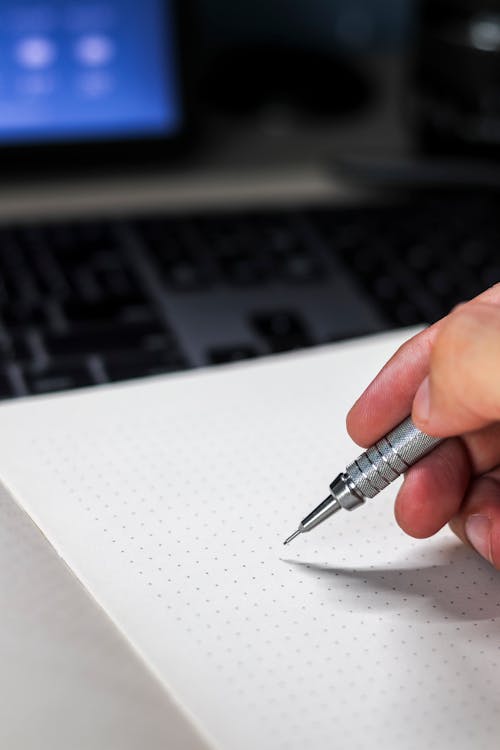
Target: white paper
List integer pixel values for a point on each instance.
(170, 500)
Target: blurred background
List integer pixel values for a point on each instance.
(274, 82)
(362, 25)
(309, 76)
(383, 78)
(186, 184)
(191, 183)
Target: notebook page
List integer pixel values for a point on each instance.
(170, 500)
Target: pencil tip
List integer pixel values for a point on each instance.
(292, 536)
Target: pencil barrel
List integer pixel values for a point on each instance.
(390, 457)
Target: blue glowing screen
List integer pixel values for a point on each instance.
(77, 70)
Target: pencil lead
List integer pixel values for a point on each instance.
(292, 536)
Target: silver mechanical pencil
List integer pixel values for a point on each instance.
(372, 472)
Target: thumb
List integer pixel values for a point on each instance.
(462, 390)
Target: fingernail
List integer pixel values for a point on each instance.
(477, 529)
(422, 402)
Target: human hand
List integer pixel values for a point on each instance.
(448, 377)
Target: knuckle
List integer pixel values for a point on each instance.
(456, 378)
(448, 361)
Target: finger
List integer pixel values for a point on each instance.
(388, 399)
(433, 490)
(462, 391)
(483, 447)
(478, 521)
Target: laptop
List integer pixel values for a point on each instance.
(121, 258)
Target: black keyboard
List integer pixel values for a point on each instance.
(419, 259)
(89, 302)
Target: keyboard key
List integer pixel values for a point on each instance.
(490, 275)
(133, 370)
(244, 269)
(85, 260)
(133, 307)
(282, 330)
(365, 260)
(17, 314)
(129, 365)
(58, 378)
(20, 348)
(420, 257)
(407, 314)
(185, 276)
(301, 267)
(174, 248)
(237, 250)
(473, 253)
(441, 282)
(104, 338)
(6, 389)
(294, 259)
(113, 279)
(386, 287)
(224, 354)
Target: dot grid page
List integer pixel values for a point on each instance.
(170, 500)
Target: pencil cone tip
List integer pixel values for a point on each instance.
(292, 536)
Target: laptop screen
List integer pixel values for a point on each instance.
(72, 70)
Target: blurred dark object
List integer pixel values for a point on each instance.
(90, 302)
(456, 96)
(351, 26)
(253, 78)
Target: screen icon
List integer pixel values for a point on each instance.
(35, 53)
(95, 50)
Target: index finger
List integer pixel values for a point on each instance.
(388, 399)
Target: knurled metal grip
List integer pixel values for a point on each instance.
(372, 472)
(384, 462)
